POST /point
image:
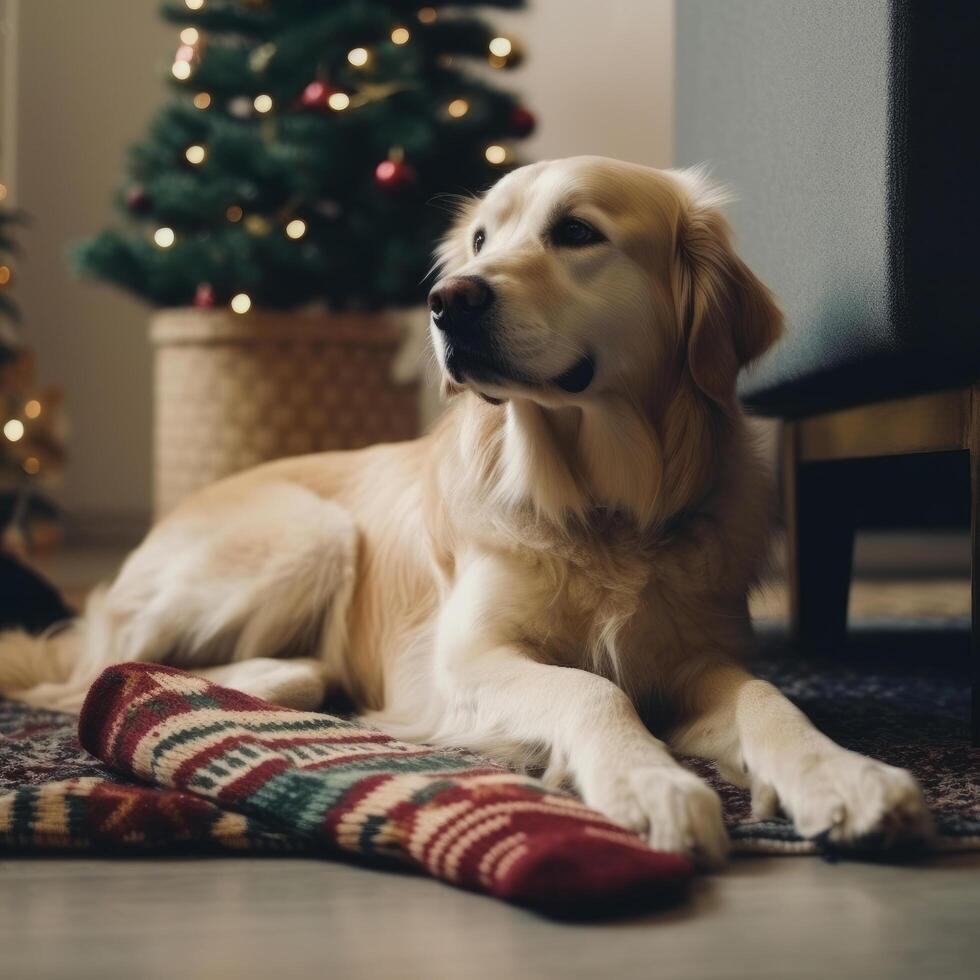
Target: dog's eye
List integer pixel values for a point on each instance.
(573, 233)
(478, 239)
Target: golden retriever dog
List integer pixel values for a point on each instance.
(557, 575)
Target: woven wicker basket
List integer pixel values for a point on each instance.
(233, 391)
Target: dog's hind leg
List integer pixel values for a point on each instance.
(296, 683)
(27, 661)
(266, 573)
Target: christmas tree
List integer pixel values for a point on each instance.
(31, 448)
(309, 152)
(9, 312)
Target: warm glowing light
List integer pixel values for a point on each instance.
(358, 57)
(164, 237)
(296, 228)
(339, 101)
(14, 430)
(428, 15)
(400, 35)
(501, 47)
(458, 108)
(496, 154)
(261, 56)
(32, 409)
(194, 4)
(4, 274)
(184, 53)
(241, 303)
(257, 225)
(32, 466)
(190, 35)
(240, 106)
(195, 154)
(386, 169)
(202, 100)
(234, 214)
(3, 191)
(181, 70)
(263, 103)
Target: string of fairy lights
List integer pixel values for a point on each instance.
(5, 274)
(390, 174)
(15, 427)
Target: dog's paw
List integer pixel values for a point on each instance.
(844, 798)
(672, 808)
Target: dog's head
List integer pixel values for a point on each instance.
(580, 277)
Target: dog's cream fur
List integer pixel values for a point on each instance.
(545, 569)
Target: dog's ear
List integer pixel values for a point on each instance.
(729, 317)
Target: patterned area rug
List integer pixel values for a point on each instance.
(871, 700)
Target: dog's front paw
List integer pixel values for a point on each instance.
(846, 798)
(675, 810)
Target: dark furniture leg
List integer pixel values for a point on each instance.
(820, 518)
(820, 531)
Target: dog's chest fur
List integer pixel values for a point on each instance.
(593, 585)
(629, 604)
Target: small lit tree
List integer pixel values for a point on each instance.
(31, 449)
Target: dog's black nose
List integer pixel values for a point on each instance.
(459, 302)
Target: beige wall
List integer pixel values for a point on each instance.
(599, 76)
(89, 74)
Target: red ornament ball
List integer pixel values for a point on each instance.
(522, 122)
(316, 96)
(204, 298)
(394, 175)
(137, 200)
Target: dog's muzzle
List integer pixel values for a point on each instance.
(459, 304)
(462, 309)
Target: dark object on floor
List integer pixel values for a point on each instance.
(27, 600)
(837, 141)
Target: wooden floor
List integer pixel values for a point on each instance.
(763, 919)
(778, 918)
